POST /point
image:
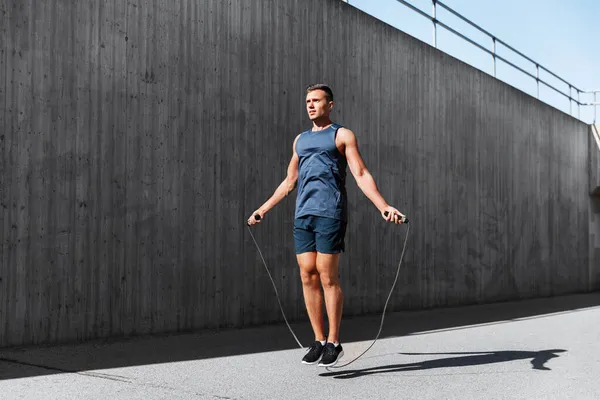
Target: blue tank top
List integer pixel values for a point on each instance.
(321, 175)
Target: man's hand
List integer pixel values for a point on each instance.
(252, 220)
(394, 215)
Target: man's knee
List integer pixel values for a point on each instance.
(309, 277)
(328, 281)
(327, 265)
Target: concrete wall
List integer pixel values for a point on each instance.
(594, 187)
(594, 157)
(138, 136)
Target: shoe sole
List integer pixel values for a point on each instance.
(333, 363)
(312, 363)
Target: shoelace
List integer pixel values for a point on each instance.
(329, 351)
(313, 347)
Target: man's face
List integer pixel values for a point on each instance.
(317, 105)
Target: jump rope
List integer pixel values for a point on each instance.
(404, 221)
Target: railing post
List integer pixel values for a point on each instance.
(578, 105)
(434, 15)
(494, 55)
(537, 79)
(595, 107)
(570, 102)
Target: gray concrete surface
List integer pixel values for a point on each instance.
(594, 158)
(137, 137)
(594, 168)
(539, 349)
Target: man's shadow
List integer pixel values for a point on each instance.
(538, 359)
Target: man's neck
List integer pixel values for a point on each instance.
(321, 123)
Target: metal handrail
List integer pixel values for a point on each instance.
(505, 44)
(502, 59)
(433, 18)
(595, 103)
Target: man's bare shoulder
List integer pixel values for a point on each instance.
(295, 141)
(345, 134)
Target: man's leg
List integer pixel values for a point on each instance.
(311, 287)
(327, 266)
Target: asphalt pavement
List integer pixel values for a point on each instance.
(534, 349)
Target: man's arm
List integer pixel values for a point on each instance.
(285, 188)
(364, 179)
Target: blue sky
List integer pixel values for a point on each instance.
(561, 35)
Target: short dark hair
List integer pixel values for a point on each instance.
(323, 87)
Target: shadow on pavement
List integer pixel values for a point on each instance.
(124, 352)
(538, 361)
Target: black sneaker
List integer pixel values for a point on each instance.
(314, 353)
(331, 355)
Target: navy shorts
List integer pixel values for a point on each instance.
(325, 235)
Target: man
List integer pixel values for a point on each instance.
(318, 166)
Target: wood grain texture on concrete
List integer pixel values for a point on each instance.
(138, 136)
